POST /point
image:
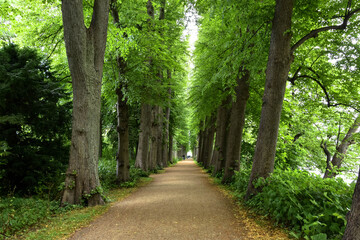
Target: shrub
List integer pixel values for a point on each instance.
(312, 207)
(107, 174)
(18, 213)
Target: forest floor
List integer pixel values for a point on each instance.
(179, 204)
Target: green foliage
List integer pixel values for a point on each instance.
(34, 123)
(19, 213)
(312, 207)
(107, 174)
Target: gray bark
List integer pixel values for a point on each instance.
(85, 49)
(236, 126)
(341, 151)
(208, 141)
(352, 231)
(277, 71)
(165, 154)
(144, 138)
(122, 157)
(222, 120)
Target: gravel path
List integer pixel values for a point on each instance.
(178, 204)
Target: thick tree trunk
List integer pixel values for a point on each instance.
(122, 157)
(160, 144)
(201, 144)
(222, 120)
(237, 122)
(171, 143)
(154, 136)
(144, 138)
(352, 231)
(85, 49)
(277, 72)
(166, 144)
(208, 142)
(331, 169)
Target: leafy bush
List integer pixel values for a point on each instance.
(314, 208)
(107, 174)
(17, 213)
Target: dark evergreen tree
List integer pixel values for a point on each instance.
(34, 122)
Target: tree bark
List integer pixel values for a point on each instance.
(122, 156)
(352, 231)
(277, 71)
(222, 121)
(85, 49)
(166, 144)
(341, 150)
(201, 143)
(154, 136)
(171, 143)
(144, 138)
(208, 141)
(160, 144)
(237, 122)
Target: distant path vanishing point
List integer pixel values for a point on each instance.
(178, 204)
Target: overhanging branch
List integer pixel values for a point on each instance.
(314, 33)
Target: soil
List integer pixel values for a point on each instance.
(179, 204)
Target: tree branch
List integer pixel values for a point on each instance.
(314, 33)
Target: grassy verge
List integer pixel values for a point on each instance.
(63, 225)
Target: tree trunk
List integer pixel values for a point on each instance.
(277, 72)
(352, 231)
(201, 144)
(166, 141)
(160, 144)
(171, 143)
(154, 136)
(222, 121)
(144, 138)
(208, 142)
(237, 122)
(85, 49)
(122, 156)
(341, 150)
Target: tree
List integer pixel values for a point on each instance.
(281, 56)
(34, 122)
(276, 75)
(85, 48)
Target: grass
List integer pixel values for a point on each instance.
(64, 225)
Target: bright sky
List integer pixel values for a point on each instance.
(191, 27)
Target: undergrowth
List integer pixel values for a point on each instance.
(19, 213)
(312, 207)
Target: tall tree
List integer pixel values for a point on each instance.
(85, 49)
(281, 56)
(276, 76)
(237, 122)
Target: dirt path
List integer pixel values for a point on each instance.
(179, 204)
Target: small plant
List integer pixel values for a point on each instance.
(312, 207)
